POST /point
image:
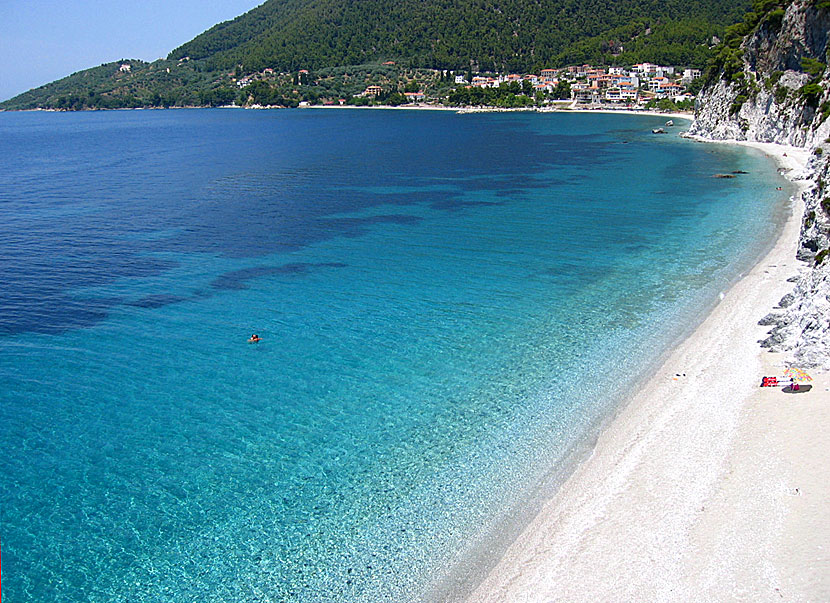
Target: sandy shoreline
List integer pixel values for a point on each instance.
(474, 110)
(705, 487)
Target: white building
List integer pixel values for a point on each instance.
(625, 80)
(486, 82)
(645, 69)
(663, 87)
(658, 82)
(549, 75)
(621, 94)
(690, 75)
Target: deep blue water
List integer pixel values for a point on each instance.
(449, 305)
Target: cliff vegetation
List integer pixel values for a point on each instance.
(769, 82)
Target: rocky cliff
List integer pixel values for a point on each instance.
(779, 95)
(774, 87)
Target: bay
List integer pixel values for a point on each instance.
(450, 306)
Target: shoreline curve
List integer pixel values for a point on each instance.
(703, 486)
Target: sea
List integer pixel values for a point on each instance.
(450, 306)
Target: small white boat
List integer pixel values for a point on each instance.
(670, 123)
(658, 131)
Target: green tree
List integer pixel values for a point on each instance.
(562, 90)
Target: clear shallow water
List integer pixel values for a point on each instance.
(449, 304)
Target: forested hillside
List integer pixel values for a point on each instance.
(497, 35)
(286, 36)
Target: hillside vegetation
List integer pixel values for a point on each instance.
(464, 36)
(512, 35)
(755, 54)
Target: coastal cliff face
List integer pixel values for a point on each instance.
(801, 322)
(782, 95)
(767, 101)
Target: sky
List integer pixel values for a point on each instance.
(45, 40)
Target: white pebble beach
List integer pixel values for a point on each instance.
(705, 487)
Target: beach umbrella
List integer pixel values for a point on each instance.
(797, 374)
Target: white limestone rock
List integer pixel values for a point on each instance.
(776, 111)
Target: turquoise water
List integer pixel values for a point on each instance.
(449, 306)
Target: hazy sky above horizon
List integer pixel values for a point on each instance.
(45, 40)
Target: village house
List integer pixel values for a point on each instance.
(656, 83)
(597, 78)
(549, 75)
(622, 94)
(669, 89)
(625, 81)
(587, 96)
(645, 69)
(613, 95)
(689, 75)
(485, 82)
(663, 87)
